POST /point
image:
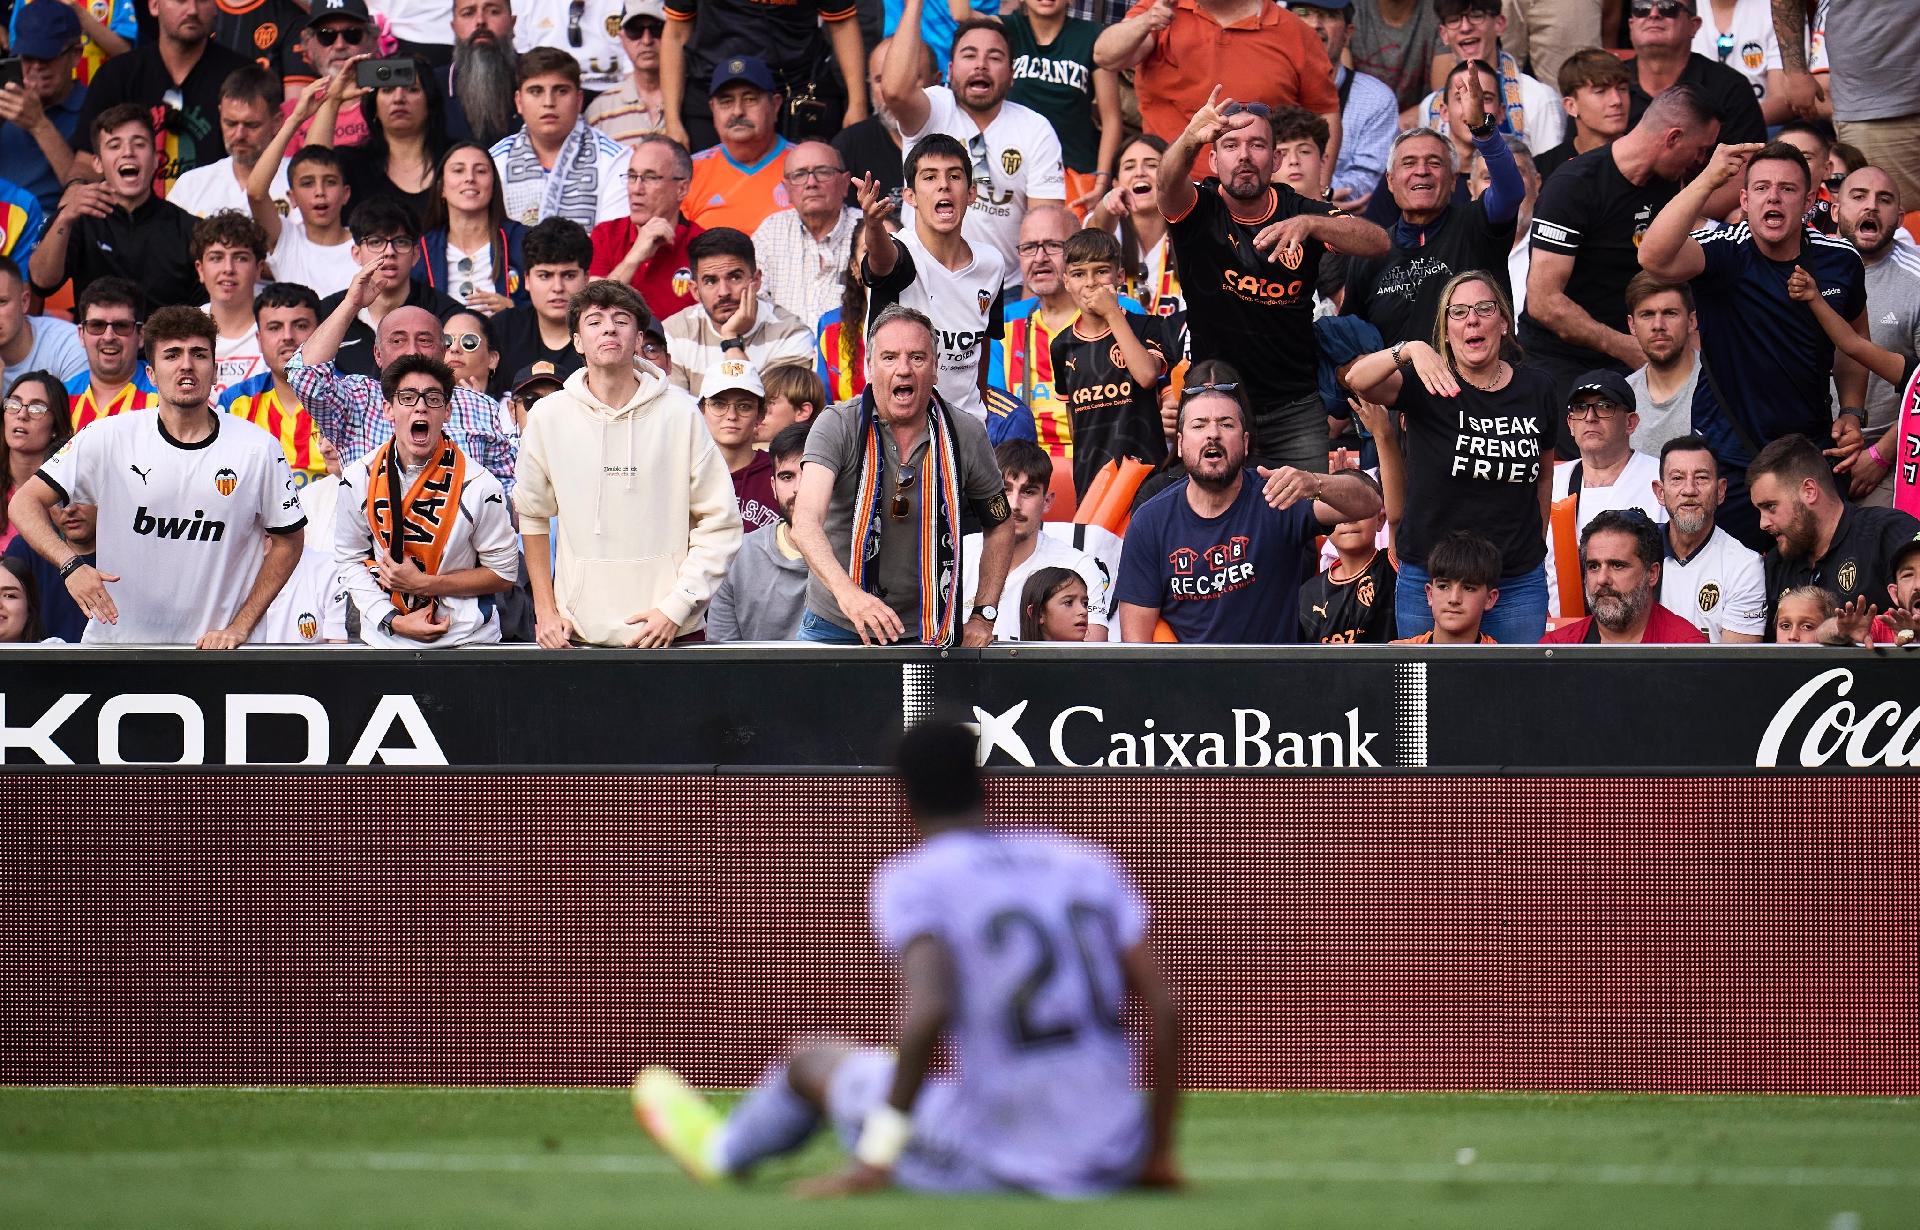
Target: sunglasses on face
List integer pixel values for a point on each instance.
(900, 505)
(327, 36)
(99, 328)
(1660, 8)
(1593, 410)
(468, 342)
(643, 27)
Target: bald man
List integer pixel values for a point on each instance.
(1868, 210)
(803, 251)
(350, 408)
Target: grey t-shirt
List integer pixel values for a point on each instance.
(1893, 316)
(1873, 75)
(1401, 56)
(56, 349)
(1661, 421)
(834, 442)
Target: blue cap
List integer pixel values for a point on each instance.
(1335, 5)
(44, 29)
(750, 69)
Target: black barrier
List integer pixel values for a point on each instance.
(1115, 708)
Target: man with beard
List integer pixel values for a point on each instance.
(1221, 557)
(1249, 252)
(186, 496)
(178, 75)
(872, 147)
(1820, 539)
(1869, 213)
(1768, 361)
(119, 228)
(765, 592)
(796, 39)
(1708, 578)
(1620, 555)
(1897, 626)
(1012, 150)
(479, 84)
(1660, 317)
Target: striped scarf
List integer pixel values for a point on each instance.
(570, 190)
(938, 524)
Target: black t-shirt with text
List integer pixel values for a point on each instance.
(1726, 92)
(1253, 311)
(1859, 561)
(1113, 414)
(1474, 462)
(1399, 293)
(1354, 611)
(187, 123)
(1596, 215)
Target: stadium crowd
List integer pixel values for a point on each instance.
(423, 323)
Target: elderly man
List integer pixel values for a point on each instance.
(636, 107)
(1620, 557)
(1022, 361)
(1869, 211)
(803, 250)
(351, 409)
(1606, 473)
(795, 39)
(1013, 151)
(1661, 32)
(40, 115)
(556, 164)
(738, 182)
(1709, 578)
(478, 84)
(882, 483)
(647, 249)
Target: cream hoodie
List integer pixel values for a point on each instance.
(645, 502)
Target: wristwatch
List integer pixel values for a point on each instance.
(733, 343)
(1395, 352)
(989, 613)
(1484, 129)
(386, 622)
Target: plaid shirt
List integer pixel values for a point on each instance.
(1102, 13)
(351, 411)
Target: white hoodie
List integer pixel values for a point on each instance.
(644, 499)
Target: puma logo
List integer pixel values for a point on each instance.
(142, 473)
(1320, 610)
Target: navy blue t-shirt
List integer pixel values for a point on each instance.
(1228, 580)
(1767, 353)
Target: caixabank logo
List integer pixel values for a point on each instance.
(1085, 737)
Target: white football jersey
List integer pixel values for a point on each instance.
(1722, 587)
(1020, 162)
(311, 606)
(180, 524)
(964, 305)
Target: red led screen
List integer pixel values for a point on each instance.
(1679, 934)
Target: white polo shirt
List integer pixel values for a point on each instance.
(1722, 587)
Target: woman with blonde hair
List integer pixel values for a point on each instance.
(1478, 434)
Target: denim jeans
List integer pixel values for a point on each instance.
(1518, 618)
(821, 631)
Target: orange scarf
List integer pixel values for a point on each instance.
(429, 510)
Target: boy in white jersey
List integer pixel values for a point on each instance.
(933, 268)
(186, 495)
(1022, 947)
(422, 538)
(1710, 578)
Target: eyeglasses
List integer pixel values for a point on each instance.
(1723, 47)
(1464, 16)
(468, 342)
(1660, 8)
(1052, 247)
(1195, 390)
(28, 409)
(642, 27)
(732, 409)
(326, 36)
(386, 243)
(900, 505)
(652, 350)
(1594, 410)
(800, 175)
(1486, 309)
(98, 328)
(432, 399)
(648, 179)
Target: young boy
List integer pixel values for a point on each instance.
(1108, 364)
(557, 255)
(733, 401)
(1351, 603)
(1464, 577)
(313, 249)
(794, 395)
(228, 248)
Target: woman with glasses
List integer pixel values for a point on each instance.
(471, 249)
(470, 353)
(406, 132)
(1478, 434)
(33, 424)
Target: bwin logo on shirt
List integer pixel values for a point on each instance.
(191, 529)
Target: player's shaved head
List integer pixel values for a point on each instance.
(939, 776)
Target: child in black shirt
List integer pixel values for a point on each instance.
(1351, 603)
(1108, 365)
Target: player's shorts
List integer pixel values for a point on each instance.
(936, 1159)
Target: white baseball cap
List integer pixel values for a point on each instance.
(729, 373)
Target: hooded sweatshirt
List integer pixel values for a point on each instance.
(646, 511)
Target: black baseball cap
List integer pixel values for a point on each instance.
(1905, 549)
(535, 373)
(327, 10)
(1606, 381)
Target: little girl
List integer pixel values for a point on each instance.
(1799, 614)
(1053, 606)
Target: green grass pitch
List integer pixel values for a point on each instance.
(526, 1159)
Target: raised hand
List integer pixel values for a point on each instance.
(1729, 162)
(1210, 123)
(1287, 486)
(1160, 16)
(1373, 416)
(875, 204)
(1801, 288)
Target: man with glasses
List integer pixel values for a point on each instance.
(181, 73)
(423, 571)
(882, 490)
(1609, 474)
(118, 227)
(647, 249)
(1022, 361)
(635, 108)
(385, 239)
(115, 379)
(803, 250)
(40, 115)
(1471, 30)
(1249, 252)
(335, 32)
(349, 407)
(1662, 35)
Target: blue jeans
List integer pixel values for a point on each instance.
(824, 631)
(1518, 618)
